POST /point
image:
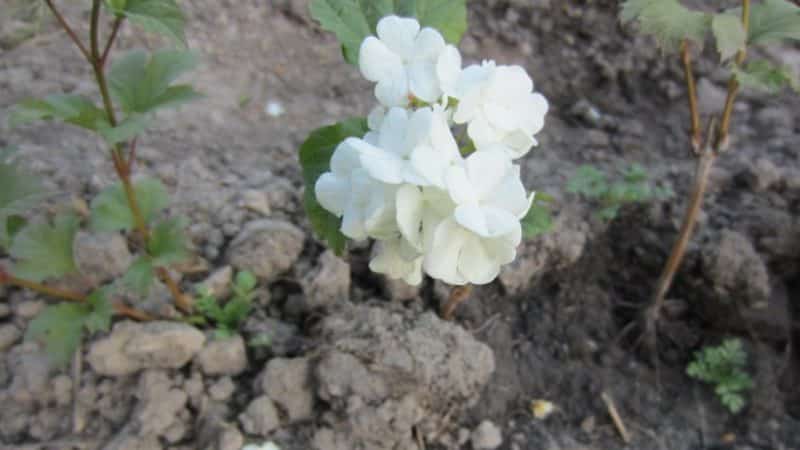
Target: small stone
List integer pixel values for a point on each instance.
(5, 310)
(267, 248)
(218, 283)
(9, 335)
(222, 390)
(261, 417)
(227, 356)
(230, 439)
(133, 346)
(280, 337)
(29, 309)
(125, 441)
(328, 283)
(486, 436)
(101, 257)
(287, 382)
(762, 175)
(257, 201)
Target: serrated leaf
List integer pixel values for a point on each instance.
(537, 221)
(18, 192)
(141, 83)
(167, 244)
(140, 276)
(245, 281)
(353, 20)
(729, 34)
(668, 21)
(100, 312)
(315, 158)
(60, 328)
(773, 20)
(110, 211)
(44, 251)
(129, 128)
(68, 108)
(156, 16)
(765, 76)
(588, 181)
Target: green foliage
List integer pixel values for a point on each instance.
(43, 250)
(668, 21)
(228, 317)
(729, 34)
(18, 191)
(772, 21)
(315, 157)
(723, 366)
(167, 244)
(353, 20)
(72, 109)
(765, 76)
(539, 220)
(140, 276)
(60, 327)
(633, 187)
(143, 83)
(110, 210)
(156, 16)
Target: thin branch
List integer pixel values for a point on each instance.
(114, 31)
(69, 30)
(182, 301)
(457, 296)
(721, 143)
(94, 31)
(41, 288)
(691, 86)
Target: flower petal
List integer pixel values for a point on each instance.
(399, 34)
(381, 164)
(486, 170)
(353, 222)
(394, 132)
(518, 143)
(441, 260)
(459, 186)
(448, 68)
(509, 194)
(377, 61)
(423, 82)
(472, 218)
(476, 264)
(375, 117)
(408, 214)
(509, 84)
(393, 91)
(332, 192)
(430, 164)
(482, 132)
(499, 221)
(428, 45)
(388, 259)
(345, 158)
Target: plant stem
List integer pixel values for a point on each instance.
(696, 136)
(114, 30)
(42, 289)
(721, 143)
(457, 296)
(69, 30)
(182, 301)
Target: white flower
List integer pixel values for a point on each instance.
(365, 204)
(484, 231)
(500, 107)
(412, 148)
(405, 60)
(395, 258)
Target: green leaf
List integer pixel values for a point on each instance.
(99, 317)
(156, 16)
(764, 76)
(353, 20)
(245, 281)
(315, 157)
(235, 311)
(141, 83)
(18, 192)
(68, 108)
(167, 244)
(129, 128)
(60, 328)
(140, 276)
(588, 181)
(538, 221)
(773, 20)
(110, 210)
(668, 21)
(44, 251)
(729, 34)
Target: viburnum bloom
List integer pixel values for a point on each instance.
(499, 106)
(484, 230)
(405, 60)
(416, 147)
(365, 204)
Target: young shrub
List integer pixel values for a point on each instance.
(724, 367)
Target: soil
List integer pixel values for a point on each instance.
(373, 368)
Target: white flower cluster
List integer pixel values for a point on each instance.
(406, 182)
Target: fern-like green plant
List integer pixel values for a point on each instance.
(724, 367)
(227, 316)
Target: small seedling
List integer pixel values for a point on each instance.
(227, 317)
(591, 183)
(723, 366)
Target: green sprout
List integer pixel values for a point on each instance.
(723, 366)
